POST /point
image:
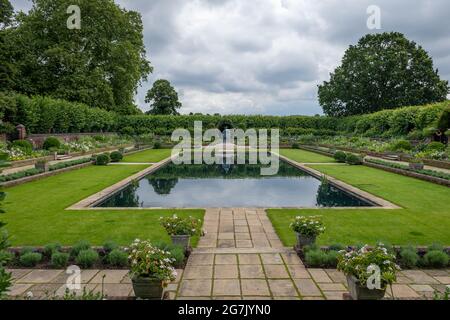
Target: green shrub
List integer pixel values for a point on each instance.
(157, 145)
(353, 159)
(295, 146)
(79, 246)
(27, 249)
(316, 258)
(30, 259)
(6, 257)
(51, 248)
(401, 145)
(340, 156)
(128, 131)
(51, 142)
(102, 159)
(332, 258)
(435, 146)
(87, 258)
(117, 258)
(116, 156)
(436, 247)
(59, 259)
(408, 257)
(109, 246)
(336, 247)
(24, 145)
(177, 252)
(436, 259)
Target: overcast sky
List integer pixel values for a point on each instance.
(268, 56)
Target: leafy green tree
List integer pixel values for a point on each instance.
(101, 64)
(383, 71)
(163, 98)
(7, 70)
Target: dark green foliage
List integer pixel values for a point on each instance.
(353, 159)
(25, 145)
(87, 258)
(79, 246)
(27, 249)
(444, 120)
(67, 164)
(19, 175)
(337, 247)
(401, 145)
(59, 259)
(436, 247)
(51, 248)
(102, 159)
(295, 146)
(435, 146)
(51, 142)
(340, 156)
(116, 156)
(96, 65)
(117, 258)
(163, 98)
(436, 259)
(128, 131)
(177, 252)
(157, 145)
(30, 259)
(408, 257)
(5, 257)
(365, 68)
(110, 245)
(316, 258)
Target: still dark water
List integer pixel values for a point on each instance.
(200, 186)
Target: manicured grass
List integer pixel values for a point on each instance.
(303, 156)
(35, 211)
(424, 219)
(152, 155)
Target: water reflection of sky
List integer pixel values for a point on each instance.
(206, 186)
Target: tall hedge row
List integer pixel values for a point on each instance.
(47, 115)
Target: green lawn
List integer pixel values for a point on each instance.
(35, 211)
(152, 155)
(303, 156)
(425, 218)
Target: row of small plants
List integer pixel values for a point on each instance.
(23, 149)
(432, 173)
(361, 263)
(432, 150)
(53, 255)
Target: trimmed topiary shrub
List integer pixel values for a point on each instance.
(79, 246)
(51, 143)
(353, 159)
(157, 145)
(102, 159)
(117, 258)
(116, 156)
(340, 156)
(87, 258)
(24, 145)
(436, 259)
(401, 145)
(60, 259)
(435, 146)
(30, 259)
(408, 257)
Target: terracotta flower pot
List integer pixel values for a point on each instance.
(359, 292)
(303, 240)
(147, 288)
(181, 240)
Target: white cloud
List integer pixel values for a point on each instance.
(268, 56)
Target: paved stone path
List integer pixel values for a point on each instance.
(240, 257)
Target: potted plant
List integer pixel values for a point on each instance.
(368, 271)
(181, 229)
(416, 163)
(307, 229)
(42, 165)
(150, 268)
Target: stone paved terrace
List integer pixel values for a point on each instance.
(240, 257)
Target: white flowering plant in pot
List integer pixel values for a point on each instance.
(181, 229)
(307, 228)
(150, 268)
(369, 271)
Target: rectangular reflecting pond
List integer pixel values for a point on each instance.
(201, 186)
